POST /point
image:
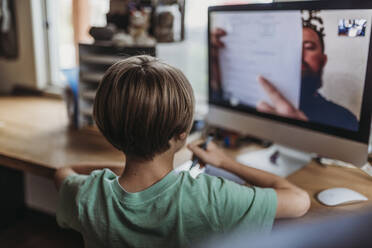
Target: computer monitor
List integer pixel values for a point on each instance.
(296, 73)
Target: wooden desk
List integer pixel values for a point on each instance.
(34, 138)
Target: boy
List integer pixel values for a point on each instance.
(145, 109)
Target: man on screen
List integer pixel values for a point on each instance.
(313, 106)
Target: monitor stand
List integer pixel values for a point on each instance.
(276, 159)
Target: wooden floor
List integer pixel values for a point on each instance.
(38, 230)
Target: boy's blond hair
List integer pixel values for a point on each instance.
(141, 104)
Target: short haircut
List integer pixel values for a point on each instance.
(141, 104)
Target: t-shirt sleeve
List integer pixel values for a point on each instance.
(67, 210)
(245, 207)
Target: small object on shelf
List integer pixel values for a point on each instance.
(123, 39)
(164, 27)
(169, 20)
(142, 23)
(102, 33)
(131, 23)
(139, 22)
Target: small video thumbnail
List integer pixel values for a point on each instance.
(352, 28)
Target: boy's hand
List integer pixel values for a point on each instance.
(212, 155)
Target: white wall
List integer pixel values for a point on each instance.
(344, 74)
(29, 69)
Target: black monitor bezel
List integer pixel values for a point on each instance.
(362, 135)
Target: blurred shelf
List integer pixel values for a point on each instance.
(87, 111)
(100, 59)
(89, 95)
(91, 76)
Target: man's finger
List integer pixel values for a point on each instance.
(279, 101)
(217, 43)
(220, 44)
(219, 32)
(303, 116)
(265, 107)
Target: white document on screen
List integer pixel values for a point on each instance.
(260, 43)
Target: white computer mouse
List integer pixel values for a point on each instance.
(338, 196)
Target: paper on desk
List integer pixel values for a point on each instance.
(260, 43)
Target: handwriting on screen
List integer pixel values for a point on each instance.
(260, 43)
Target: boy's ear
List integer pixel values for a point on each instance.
(183, 136)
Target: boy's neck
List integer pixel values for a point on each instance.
(139, 175)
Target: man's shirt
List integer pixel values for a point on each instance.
(177, 211)
(319, 110)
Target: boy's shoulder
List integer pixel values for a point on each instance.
(74, 190)
(86, 186)
(96, 177)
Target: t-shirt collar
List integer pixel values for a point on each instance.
(147, 194)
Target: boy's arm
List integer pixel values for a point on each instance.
(84, 169)
(292, 201)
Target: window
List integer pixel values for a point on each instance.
(69, 23)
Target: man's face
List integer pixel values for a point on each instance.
(313, 58)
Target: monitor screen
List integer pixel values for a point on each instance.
(306, 67)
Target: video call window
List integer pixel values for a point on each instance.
(352, 28)
(304, 65)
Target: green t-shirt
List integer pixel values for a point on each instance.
(177, 211)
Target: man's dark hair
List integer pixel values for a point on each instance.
(311, 21)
